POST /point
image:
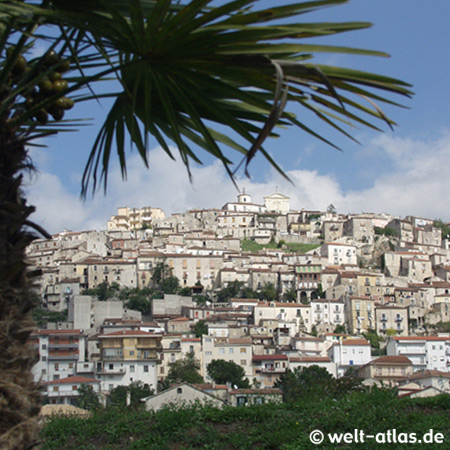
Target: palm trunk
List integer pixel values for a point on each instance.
(19, 395)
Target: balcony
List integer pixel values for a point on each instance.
(384, 319)
(111, 372)
(273, 370)
(399, 319)
(63, 346)
(63, 357)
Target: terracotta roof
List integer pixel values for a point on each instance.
(59, 332)
(278, 357)
(429, 373)
(421, 338)
(402, 360)
(129, 333)
(73, 380)
(355, 342)
(267, 391)
(210, 386)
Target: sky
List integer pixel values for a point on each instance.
(404, 172)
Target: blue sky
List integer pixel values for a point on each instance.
(401, 172)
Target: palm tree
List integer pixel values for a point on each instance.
(181, 71)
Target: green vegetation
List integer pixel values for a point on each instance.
(104, 291)
(445, 228)
(283, 426)
(247, 245)
(200, 328)
(374, 339)
(42, 316)
(87, 398)
(387, 231)
(186, 369)
(223, 372)
(136, 390)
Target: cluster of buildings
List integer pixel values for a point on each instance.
(362, 273)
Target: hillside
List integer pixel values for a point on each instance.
(283, 426)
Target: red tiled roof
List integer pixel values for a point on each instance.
(355, 342)
(267, 391)
(421, 338)
(278, 357)
(128, 333)
(73, 380)
(404, 360)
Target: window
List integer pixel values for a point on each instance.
(111, 366)
(131, 352)
(231, 350)
(221, 351)
(74, 388)
(132, 368)
(146, 369)
(242, 350)
(70, 365)
(179, 390)
(55, 388)
(243, 362)
(44, 358)
(56, 366)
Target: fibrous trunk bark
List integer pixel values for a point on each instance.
(19, 395)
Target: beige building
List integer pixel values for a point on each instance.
(360, 314)
(296, 313)
(370, 284)
(174, 348)
(134, 218)
(391, 319)
(182, 395)
(127, 356)
(389, 370)
(237, 350)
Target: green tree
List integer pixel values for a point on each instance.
(185, 370)
(304, 382)
(445, 228)
(185, 291)
(373, 337)
(184, 72)
(140, 303)
(160, 273)
(103, 291)
(200, 328)
(170, 285)
(233, 290)
(136, 390)
(223, 372)
(268, 292)
(340, 329)
(42, 316)
(290, 295)
(88, 398)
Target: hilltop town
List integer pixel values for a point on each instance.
(261, 285)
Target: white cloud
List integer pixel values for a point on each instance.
(416, 183)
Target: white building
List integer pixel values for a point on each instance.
(65, 391)
(339, 254)
(349, 353)
(426, 352)
(277, 202)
